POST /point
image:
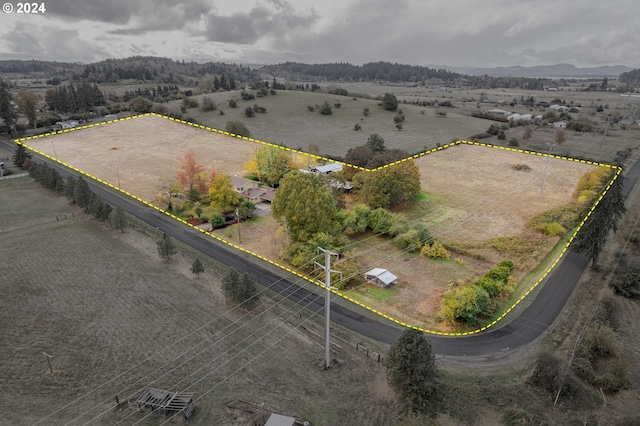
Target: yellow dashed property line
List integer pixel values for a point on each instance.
(317, 283)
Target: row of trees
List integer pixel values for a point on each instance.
(73, 99)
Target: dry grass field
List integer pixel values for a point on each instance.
(117, 319)
(479, 196)
(144, 151)
(474, 196)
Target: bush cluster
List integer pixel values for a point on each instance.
(480, 298)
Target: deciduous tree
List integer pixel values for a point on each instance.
(304, 205)
(223, 195)
(376, 143)
(412, 371)
(389, 186)
(27, 103)
(189, 169)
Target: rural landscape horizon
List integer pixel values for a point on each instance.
(185, 185)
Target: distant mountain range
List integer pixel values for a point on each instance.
(547, 71)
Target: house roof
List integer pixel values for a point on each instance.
(280, 420)
(239, 182)
(382, 275)
(269, 193)
(328, 168)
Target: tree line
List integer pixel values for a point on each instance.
(72, 99)
(385, 71)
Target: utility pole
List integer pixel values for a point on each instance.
(544, 179)
(54, 149)
(238, 217)
(118, 175)
(327, 301)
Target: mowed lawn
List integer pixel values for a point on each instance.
(113, 317)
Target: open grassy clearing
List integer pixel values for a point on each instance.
(18, 210)
(289, 122)
(101, 302)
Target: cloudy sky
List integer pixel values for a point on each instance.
(482, 33)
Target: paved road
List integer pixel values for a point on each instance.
(534, 320)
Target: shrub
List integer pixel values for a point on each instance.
(232, 104)
(246, 95)
(465, 304)
(380, 220)
(310, 108)
(325, 109)
(521, 167)
(491, 286)
(626, 282)
(190, 103)
(513, 142)
(600, 341)
(217, 220)
(208, 104)
(547, 373)
(409, 240)
(357, 127)
(249, 112)
(435, 251)
(616, 378)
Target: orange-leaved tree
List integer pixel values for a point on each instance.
(189, 169)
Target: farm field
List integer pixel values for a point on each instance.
(466, 214)
(144, 152)
(289, 122)
(112, 315)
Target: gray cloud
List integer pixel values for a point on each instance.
(259, 23)
(164, 15)
(29, 41)
(111, 11)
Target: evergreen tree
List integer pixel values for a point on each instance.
(20, 156)
(593, 234)
(197, 268)
(389, 102)
(248, 292)
(7, 112)
(118, 219)
(166, 247)
(69, 187)
(412, 371)
(230, 283)
(82, 193)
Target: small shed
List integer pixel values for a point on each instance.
(380, 277)
(280, 420)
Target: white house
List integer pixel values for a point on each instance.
(556, 107)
